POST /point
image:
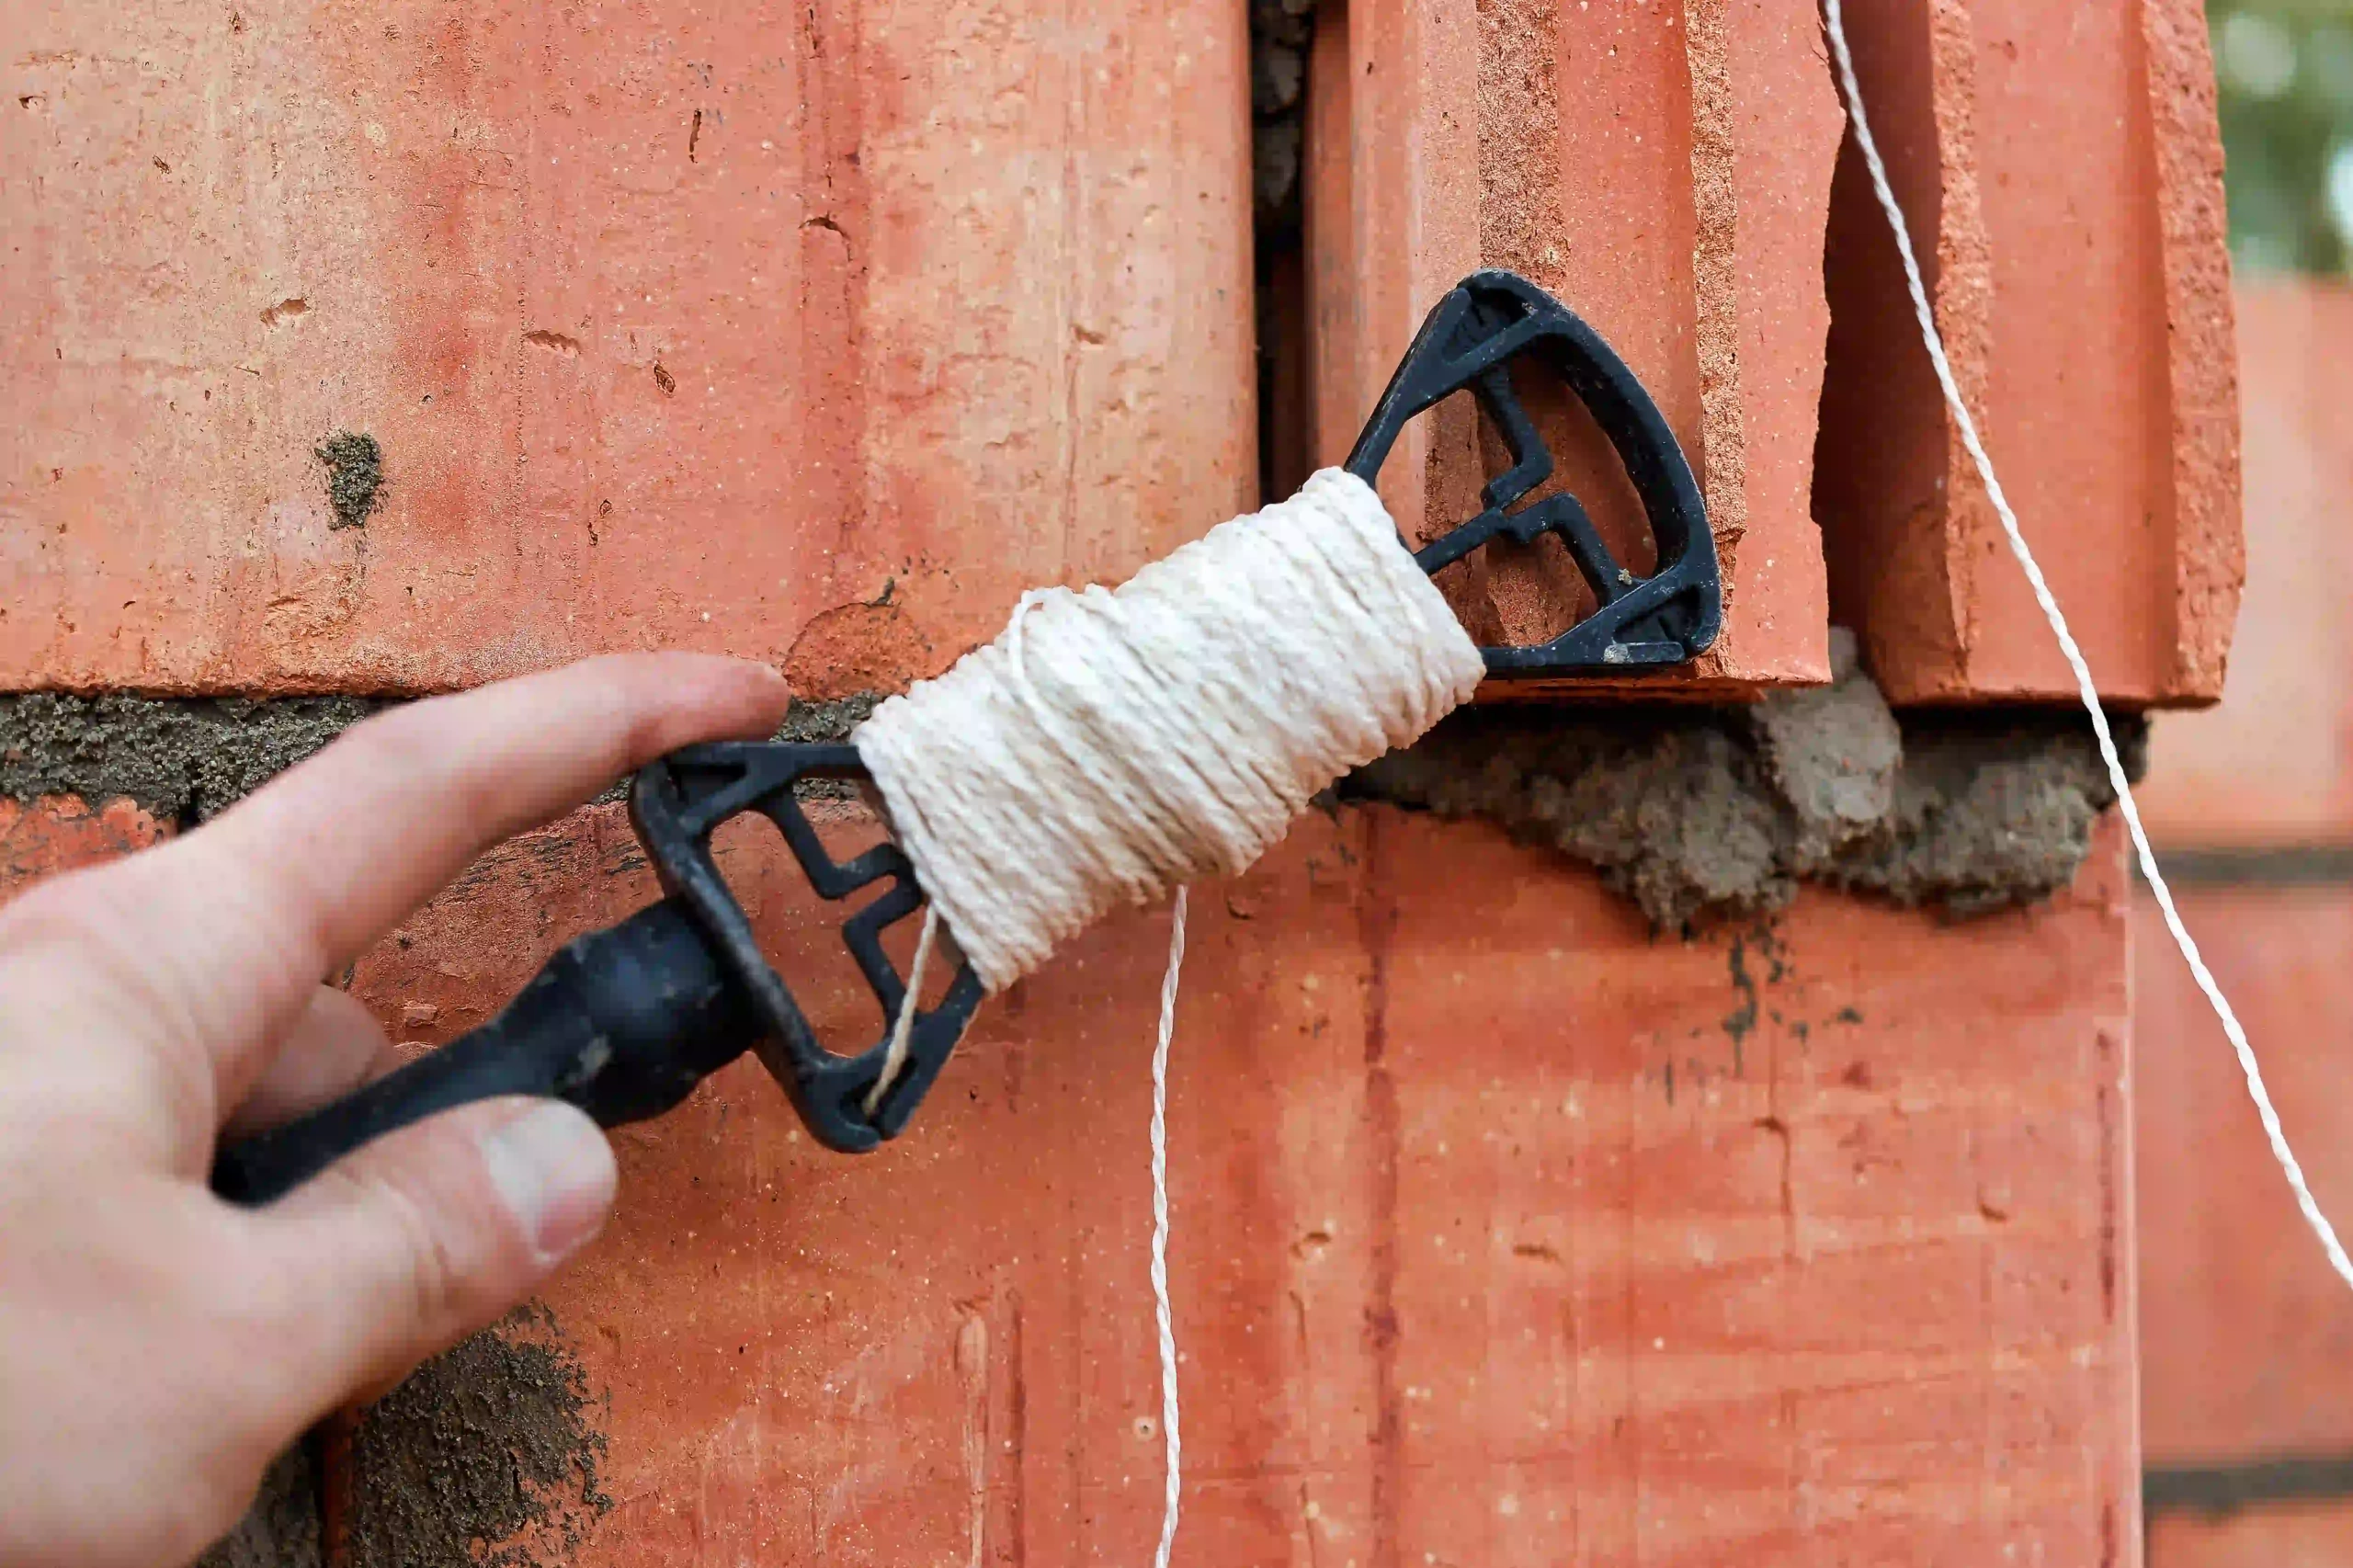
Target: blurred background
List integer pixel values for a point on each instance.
(2286, 71)
(2246, 1337)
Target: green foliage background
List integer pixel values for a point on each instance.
(2286, 71)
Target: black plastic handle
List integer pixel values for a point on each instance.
(1469, 343)
(622, 1023)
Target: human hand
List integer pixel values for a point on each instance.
(158, 1346)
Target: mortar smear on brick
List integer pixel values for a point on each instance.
(186, 758)
(1697, 814)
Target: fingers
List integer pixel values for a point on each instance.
(243, 916)
(335, 1047)
(429, 1233)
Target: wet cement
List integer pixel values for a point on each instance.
(355, 465)
(1697, 814)
(180, 758)
(282, 1528)
(487, 1456)
(188, 759)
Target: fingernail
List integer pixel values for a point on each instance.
(553, 1170)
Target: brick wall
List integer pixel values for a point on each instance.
(1506, 1232)
(2245, 1331)
(1507, 1229)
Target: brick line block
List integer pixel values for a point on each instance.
(1503, 1234)
(1665, 170)
(2061, 174)
(814, 333)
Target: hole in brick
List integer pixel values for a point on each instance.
(1511, 592)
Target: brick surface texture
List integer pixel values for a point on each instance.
(2308, 1535)
(42, 838)
(1504, 1232)
(813, 333)
(2061, 174)
(396, 349)
(2247, 1333)
(2284, 704)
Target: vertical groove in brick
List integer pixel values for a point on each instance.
(1334, 309)
(1519, 154)
(1964, 297)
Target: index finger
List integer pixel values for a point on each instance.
(241, 918)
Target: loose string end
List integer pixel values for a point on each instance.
(1164, 1314)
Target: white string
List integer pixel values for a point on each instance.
(1163, 1314)
(2289, 1164)
(895, 1058)
(1108, 746)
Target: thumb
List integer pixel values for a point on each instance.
(415, 1241)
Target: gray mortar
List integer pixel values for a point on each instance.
(1698, 813)
(282, 1528)
(188, 759)
(809, 724)
(355, 465)
(182, 758)
(828, 720)
(486, 1456)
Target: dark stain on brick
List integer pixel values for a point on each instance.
(1741, 1019)
(2223, 1489)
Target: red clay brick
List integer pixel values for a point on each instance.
(1505, 1234)
(2285, 700)
(2061, 176)
(2247, 1335)
(58, 833)
(1665, 170)
(812, 333)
